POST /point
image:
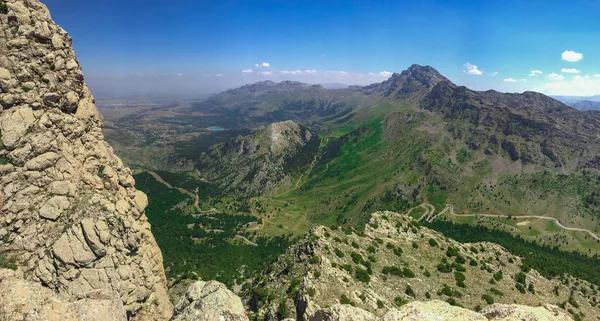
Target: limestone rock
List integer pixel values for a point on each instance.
(432, 310)
(506, 312)
(342, 312)
(23, 300)
(209, 301)
(54, 207)
(69, 212)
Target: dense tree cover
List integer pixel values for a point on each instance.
(549, 261)
(203, 245)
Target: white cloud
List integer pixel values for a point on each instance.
(569, 71)
(571, 56)
(555, 77)
(472, 70)
(266, 64)
(267, 73)
(218, 75)
(535, 73)
(575, 86)
(179, 74)
(247, 71)
(385, 74)
(343, 72)
(372, 74)
(494, 73)
(310, 72)
(597, 75)
(513, 80)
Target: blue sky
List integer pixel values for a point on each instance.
(212, 45)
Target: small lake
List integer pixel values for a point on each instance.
(215, 128)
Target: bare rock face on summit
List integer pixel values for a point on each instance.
(69, 212)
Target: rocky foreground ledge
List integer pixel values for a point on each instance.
(208, 301)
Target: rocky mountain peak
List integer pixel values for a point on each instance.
(72, 220)
(412, 83)
(286, 134)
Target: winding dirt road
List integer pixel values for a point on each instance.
(429, 217)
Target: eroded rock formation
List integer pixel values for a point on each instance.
(69, 212)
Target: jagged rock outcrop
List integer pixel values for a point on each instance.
(256, 163)
(69, 212)
(395, 261)
(25, 300)
(209, 301)
(439, 310)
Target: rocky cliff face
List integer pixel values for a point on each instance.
(257, 163)
(69, 213)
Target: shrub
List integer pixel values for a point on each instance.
(451, 252)
(8, 263)
(356, 258)
(496, 292)
(444, 268)
(408, 273)
(312, 292)
(355, 245)
(345, 300)
(399, 301)
(520, 278)
(347, 267)
(520, 287)
(371, 249)
(415, 245)
(282, 310)
(427, 295)
(390, 246)
(393, 270)
(409, 291)
(433, 242)
(498, 276)
(398, 251)
(379, 304)
(488, 298)
(339, 253)
(460, 279)
(317, 274)
(362, 275)
(531, 289)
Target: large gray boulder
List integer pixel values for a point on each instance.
(209, 301)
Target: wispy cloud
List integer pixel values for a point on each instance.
(471, 69)
(555, 77)
(513, 80)
(247, 71)
(569, 71)
(267, 73)
(576, 85)
(218, 75)
(571, 56)
(494, 73)
(385, 74)
(535, 73)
